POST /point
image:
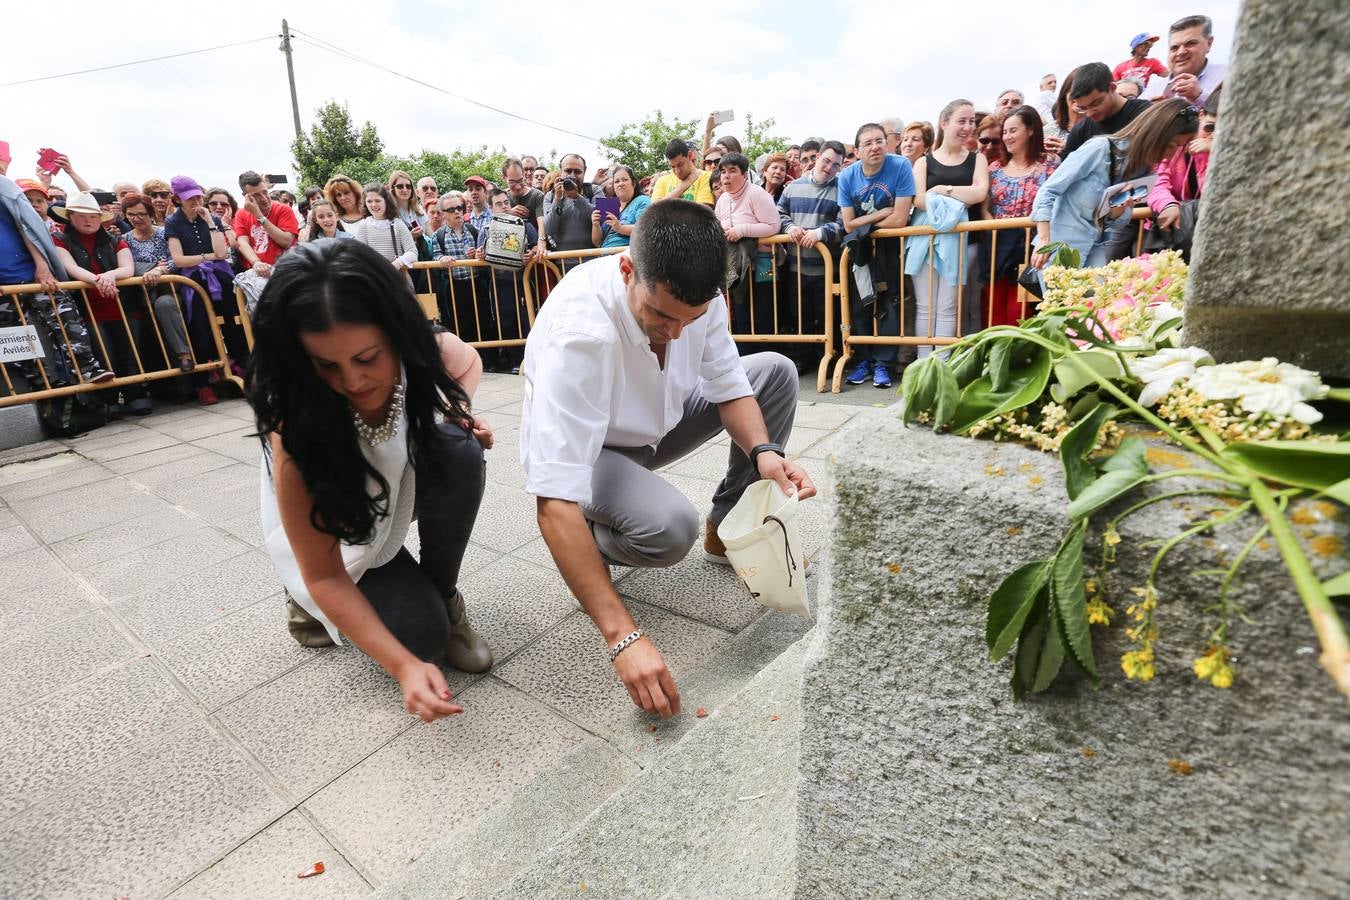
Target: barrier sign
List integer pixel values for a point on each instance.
(20, 343)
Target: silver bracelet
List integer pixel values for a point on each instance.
(624, 645)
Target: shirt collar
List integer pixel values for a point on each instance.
(628, 323)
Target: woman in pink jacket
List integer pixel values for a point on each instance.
(1182, 178)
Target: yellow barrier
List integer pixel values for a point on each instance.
(964, 295)
(138, 347)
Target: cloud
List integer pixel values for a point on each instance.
(584, 66)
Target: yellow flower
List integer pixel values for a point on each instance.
(1098, 612)
(1223, 678)
(1138, 664)
(1112, 537)
(1206, 665)
(1214, 668)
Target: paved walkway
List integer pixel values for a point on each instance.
(162, 735)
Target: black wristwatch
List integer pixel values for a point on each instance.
(756, 450)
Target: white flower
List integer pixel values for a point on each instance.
(1164, 369)
(1267, 386)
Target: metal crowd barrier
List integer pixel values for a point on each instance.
(483, 310)
(141, 346)
(916, 334)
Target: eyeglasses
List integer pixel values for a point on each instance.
(984, 142)
(452, 209)
(516, 182)
(223, 204)
(160, 195)
(139, 215)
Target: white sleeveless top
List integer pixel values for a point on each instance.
(390, 459)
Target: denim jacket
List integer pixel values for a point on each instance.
(1068, 200)
(30, 225)
(943, 214)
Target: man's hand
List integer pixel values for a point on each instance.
(643, 672)
(252, 209)
(791, 477)
(520, 210)
(44, 277)
(1169, 218)
(807, 239)
(425, 693)
(449, 261)
(1186, 86)
(1054, 145)
(43, 176)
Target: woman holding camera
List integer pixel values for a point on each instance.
(365, 422)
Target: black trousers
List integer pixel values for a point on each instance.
(409, 596)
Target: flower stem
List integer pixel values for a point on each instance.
(1148, 501)
(1192, 532)
(1326, 623)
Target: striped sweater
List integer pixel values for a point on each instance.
(808, 205)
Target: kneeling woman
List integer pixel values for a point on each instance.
(365, 422)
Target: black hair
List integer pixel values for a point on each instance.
(1090, 78)
(836, 146)
(869, 126)
(492, 195)
(577, 155)
(813, 144)
(313, 287)
(794, 146)
(249, 179)
(675, 148)
(735, 159)
(681, 245)
(1192, 22)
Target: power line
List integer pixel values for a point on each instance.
(334, 49)
(138, 62)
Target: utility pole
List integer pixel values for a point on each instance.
(290, 72)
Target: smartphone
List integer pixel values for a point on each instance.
(47, 158)
(276, 179)
(723, 116)
(103, 198)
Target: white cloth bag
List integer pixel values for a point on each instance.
(760, 534)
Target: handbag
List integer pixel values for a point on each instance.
(1030, 281)
(1180, 237)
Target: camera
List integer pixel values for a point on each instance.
(571, 184)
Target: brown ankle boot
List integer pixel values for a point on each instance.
(307, 630)
(467, 651)
(714, 551)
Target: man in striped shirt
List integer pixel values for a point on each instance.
(809, 212)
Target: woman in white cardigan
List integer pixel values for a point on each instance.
(383, 231)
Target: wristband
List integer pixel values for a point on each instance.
(756, 450)
(624, 645)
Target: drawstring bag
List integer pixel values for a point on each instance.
(760, 534)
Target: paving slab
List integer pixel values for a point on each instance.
(168, 561)
(39, 592)
(49, 657)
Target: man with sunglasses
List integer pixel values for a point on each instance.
(427, 192)
(1103, 111)
(567, 210)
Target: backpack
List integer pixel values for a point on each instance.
(72, 414)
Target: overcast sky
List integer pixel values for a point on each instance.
(585, 67)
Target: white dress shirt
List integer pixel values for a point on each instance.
(1210, 77)
(592, 380)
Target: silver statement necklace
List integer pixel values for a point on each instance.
(378, 434)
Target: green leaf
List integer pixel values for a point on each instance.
(980, 401)
(968, 365)
(919, 388)
(1339, 491)
(1051, 657)
(1338, 586)
(1308, 464)
(1072, 377)
(1077, 446)
(948, 392)
(1121, 471)
(1029, 646)
(1131, 455)
(1070, 601)
(1011, 604)
(1000, 363)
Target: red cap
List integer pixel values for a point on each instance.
(28, 184)
(476, 179)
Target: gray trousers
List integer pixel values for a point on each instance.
(639, 519)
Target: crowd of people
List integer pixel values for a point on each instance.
(1142, 129)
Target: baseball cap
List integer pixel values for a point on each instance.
(476, 179)
(4, 152)
(1142, 38)
(184, 187)
(28, 184)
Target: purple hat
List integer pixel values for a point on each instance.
(184, 187)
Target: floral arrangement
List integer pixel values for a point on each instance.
(1101, 353)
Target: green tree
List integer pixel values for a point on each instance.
(758, 141)
(642, 145)
(333, 140)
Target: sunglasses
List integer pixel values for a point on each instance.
(160, 195)
(984, 142)
(1207, 128)
(403, 187)
(428, 187)
(1135, 192)
(452, 209)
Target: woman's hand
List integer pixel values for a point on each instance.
(612, 222)
(1200, 145)
(483, 431)
(1170, 217)
(1039, 259)
(425, 693)
(416, 230)
(106, 284)
(733, 234)
(152, 277)
(595, 219)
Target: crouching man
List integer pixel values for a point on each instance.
(631, 366)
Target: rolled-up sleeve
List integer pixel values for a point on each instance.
(721, 369)
(567, 409)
